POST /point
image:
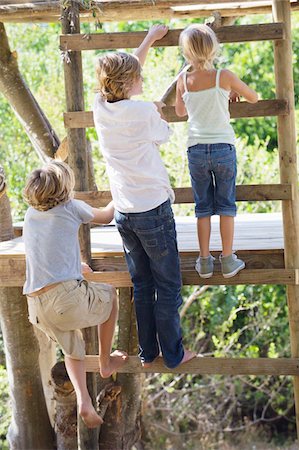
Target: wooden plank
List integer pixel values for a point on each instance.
(171, 3)
(209, 366)
(22, 2)
(110, 41)
(13, 274)
(50, 12)
(254, 192)
(263, 259)
(254, 233)
(287, 140)
(76, 138)
(190, 277)
(128, 3)
(263, 108)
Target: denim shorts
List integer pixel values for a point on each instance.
(213, 170)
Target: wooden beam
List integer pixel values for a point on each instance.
(50, 12)
(191, 277)
(202, 365)
(144, 3)
(258, 259)
(21, 2)
(78, 161)
(13, 275)
(283, 67)
(108, 41)
(184, 195)
(263, 108)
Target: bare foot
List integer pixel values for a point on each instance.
(187, 356)
(89, 415)
(113, 363)
(147, 365)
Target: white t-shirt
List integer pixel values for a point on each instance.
(52, 245)
(129, 133)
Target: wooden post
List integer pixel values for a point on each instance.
(73, 77)
(288, 170)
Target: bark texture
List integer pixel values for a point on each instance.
(121, 428)
(66, 408)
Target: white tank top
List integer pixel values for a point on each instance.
(208, 115)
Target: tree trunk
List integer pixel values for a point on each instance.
(21, 351)
(14, 88)
(121, 428)
(66, 408)
(47, 359)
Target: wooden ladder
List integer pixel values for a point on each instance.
(276, 268)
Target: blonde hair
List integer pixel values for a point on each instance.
(116, 73)
(49, 186)
(199, 45)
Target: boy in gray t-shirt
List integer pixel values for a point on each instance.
(60, 301)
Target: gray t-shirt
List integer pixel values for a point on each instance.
(52, 244)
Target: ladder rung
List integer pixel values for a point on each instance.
(263, 108)
(110, 41)
(209, 366)
(190, 278)
(254, 259)
(249, 192)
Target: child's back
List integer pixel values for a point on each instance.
(207, 108)
(129, 133)
(52, 246)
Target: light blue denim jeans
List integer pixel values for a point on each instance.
(213, 171)
(151, 252)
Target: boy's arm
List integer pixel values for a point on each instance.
(180, 109)
(104, 215)
(154, 34)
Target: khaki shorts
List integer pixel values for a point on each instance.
(63, 310)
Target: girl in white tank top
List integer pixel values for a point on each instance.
(203, 94)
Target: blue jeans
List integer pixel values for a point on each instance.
(151, 252)
(213, 171)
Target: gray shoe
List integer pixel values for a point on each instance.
(231, 265)
(205, 266)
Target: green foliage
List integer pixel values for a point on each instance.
(195, 412)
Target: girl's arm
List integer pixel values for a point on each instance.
(104, 215)
(180, 109)
(231, 82)
(154, 34)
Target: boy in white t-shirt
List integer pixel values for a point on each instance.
(129, 133)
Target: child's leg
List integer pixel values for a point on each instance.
(109, 362)
(227, 234)
(139, 266)
(76, 371)
(204, 233)
(159, 242)
(230, 264)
